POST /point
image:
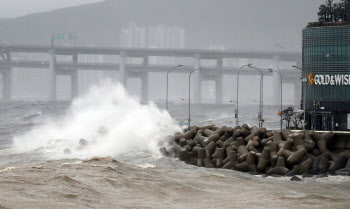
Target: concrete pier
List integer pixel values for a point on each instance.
(7, 80)
(219, 88)
(122, 69)
(52, 75)
(74, 79)
(144, 88)
(6, 86)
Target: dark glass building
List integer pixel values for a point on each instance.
(326, 65)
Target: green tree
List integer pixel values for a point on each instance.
(337, 13)
(330, 14)
(322, 14)
(287, 115)
(333, 12)
(341, 10)
(292, 117)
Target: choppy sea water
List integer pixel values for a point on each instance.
(121, 168)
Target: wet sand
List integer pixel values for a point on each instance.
(106, 183)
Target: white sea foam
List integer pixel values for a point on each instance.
(146, 165)
(112, 121)
(7, 169)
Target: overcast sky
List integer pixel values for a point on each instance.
(15, 8)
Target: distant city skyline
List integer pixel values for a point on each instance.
(158, 36)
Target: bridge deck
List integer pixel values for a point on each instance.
(141, 52)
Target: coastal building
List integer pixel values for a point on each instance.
(165, 37)
(157, 37)
(133, 36)
(326, 73)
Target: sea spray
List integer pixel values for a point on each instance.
(109, 119)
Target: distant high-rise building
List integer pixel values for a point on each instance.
(133, 36)
(165, 37)
(160, 36)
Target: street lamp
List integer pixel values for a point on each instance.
(281, 93)
(167, 84)
(303, 92)
(260, 100)
(262, 94)
(189, 96)
(236, 111)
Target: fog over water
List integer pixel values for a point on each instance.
(101, 150)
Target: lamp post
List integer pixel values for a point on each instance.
(189, 96)
(262, 94)
(236, 110)
(303, 92)
(260, 99)
(167, 84)
(281, 94)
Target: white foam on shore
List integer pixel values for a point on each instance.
(7, 169)
(146, 165)
(112, 121)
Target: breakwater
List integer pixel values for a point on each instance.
(259, 151)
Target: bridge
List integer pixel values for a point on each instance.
(141, 70)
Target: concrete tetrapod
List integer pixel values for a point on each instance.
(219, 156)
(230, 161)
(256, 150)
(264, 159)
(325, 138)
(303, 167)
(340, 162)
(345, 171)
(296, 157)
(280, 168)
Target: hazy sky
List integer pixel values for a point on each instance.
(15, 8)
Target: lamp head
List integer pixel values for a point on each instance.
(180, 66)
(249, 65)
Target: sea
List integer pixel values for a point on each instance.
(101, 151)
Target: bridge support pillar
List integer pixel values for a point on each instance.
(219, 84)
(220, 62)
(145, 60)
(197, 80)
(122, 69)
(74, 79)
(7, 84)
(7, 80)
(276, 83)
(52, 75)
(144, 88)
(74, 84)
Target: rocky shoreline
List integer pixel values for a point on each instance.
(258, 151)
